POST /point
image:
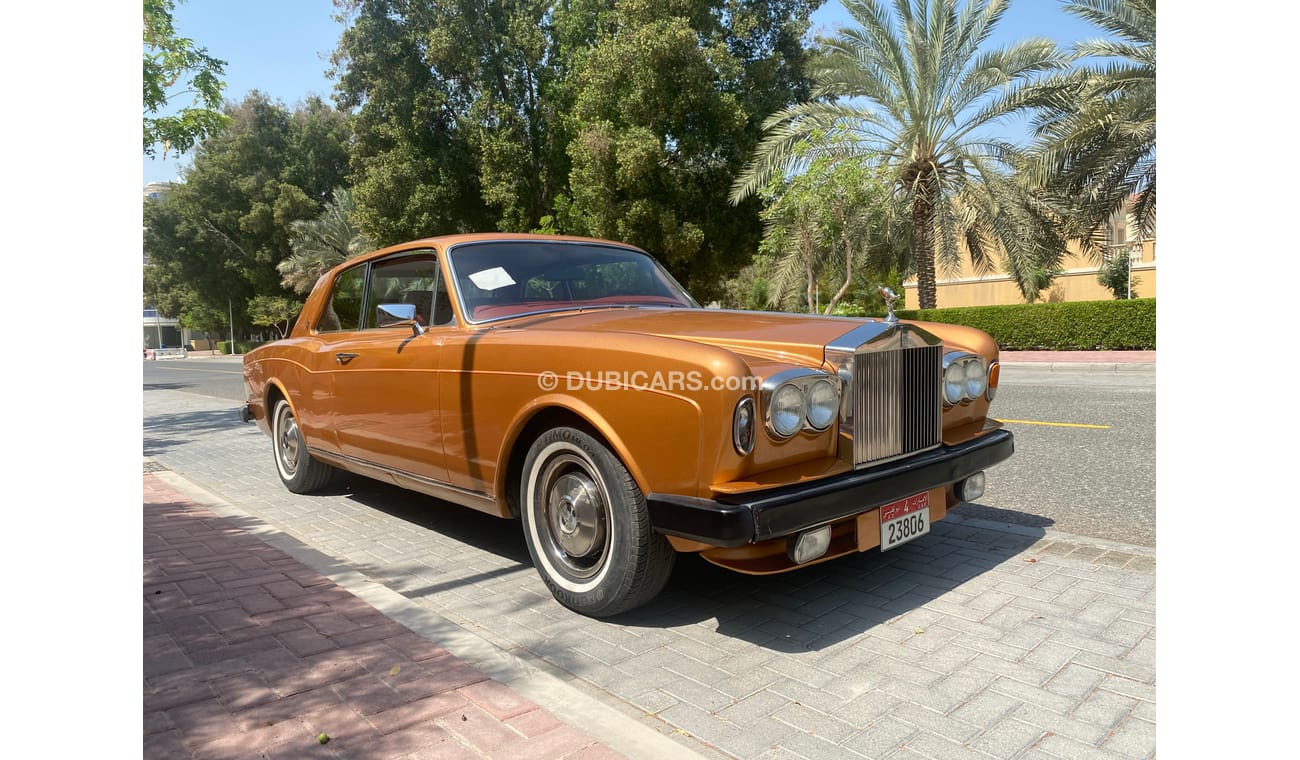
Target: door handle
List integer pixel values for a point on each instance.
(345, 358)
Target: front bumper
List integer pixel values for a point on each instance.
(736, 520)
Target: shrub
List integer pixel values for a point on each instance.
(241, 346)
(1067, 326)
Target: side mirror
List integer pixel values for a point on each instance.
(398, 315)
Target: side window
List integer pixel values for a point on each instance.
(413, 280)
(344, 309)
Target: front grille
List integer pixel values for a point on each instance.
(896, 405)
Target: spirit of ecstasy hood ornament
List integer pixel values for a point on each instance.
(889, 297)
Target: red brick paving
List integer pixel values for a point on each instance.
(248, 653)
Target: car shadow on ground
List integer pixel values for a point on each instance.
(817, 607)
(477, 529)
(803, 610)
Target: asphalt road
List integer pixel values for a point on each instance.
(1085, 445)
(1085, 454)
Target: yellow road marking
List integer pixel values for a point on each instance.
(1056, 424)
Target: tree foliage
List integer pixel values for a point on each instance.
(916, 89)
(322, 243)
(169, 59)
(452, 132)
(667, 98)
(216, 239)
(273, 311)
(1116, 276)
(617, 118)
(830, 227)
(1096, 124)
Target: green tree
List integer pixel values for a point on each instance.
(169, 58)
(216, 239)
(617, 118)
(915, 90)
(666, 103)
(322, 243)
(1116, 276)
(453, 128)
(1097, 124)
(273, 311)
(827, 226)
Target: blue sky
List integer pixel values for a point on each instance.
(282, 47)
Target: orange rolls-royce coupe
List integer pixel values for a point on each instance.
(574, 385)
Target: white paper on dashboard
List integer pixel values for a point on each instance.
(491, 279)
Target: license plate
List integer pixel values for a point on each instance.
(903, 520)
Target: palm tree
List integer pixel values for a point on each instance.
(322, 243)
(1097, 123)
(914, 92)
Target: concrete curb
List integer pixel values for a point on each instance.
(553, 690)
(1117, 367)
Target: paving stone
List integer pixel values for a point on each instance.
(866, 709)
(1061, 725)
(807, 720)
(697, 694)
(1075, 681)
(881, 737)
(1129, 687)
(1007, 738)
(987, 708)
(753, 708)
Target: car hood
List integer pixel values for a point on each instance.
(796, 338)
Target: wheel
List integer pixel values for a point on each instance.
(298, 470)
(587, 527)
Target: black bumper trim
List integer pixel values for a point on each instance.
(761, 515)
(246, 413)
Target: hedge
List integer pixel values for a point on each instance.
(1068, 326)
(241, 346)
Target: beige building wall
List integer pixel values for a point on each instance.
(1078, 281)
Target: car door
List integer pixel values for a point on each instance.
(385, 377)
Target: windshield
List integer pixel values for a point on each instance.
(508, 278)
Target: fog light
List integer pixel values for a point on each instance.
(809, 545)
(971, 488)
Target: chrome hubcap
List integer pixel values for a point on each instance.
(574, 516)
(287, 442)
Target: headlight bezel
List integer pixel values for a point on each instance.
(799, 380)
(969, 375)
(744, 445)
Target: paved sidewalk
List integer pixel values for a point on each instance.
(978, 642)
(248, 653)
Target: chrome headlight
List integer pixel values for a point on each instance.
(964, 377)
(976, 380)
(800, 399)
(954, 383)
(823, 404)
(742, 426)
(787, 412)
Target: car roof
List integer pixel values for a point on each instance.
(444, 242)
